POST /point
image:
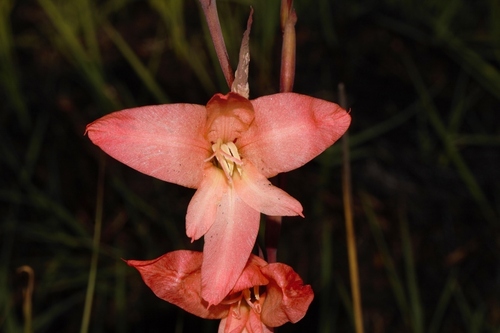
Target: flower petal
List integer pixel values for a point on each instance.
(241, 319)
(255, 325)
(235, 321)
(258, 192)
(175, 277)
(251, 275)
(289, 130)
(202, 209)
(228, 244)
(163, 141)
(287, 297)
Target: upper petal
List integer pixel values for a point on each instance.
(289, 130)
(176, 278)
(287, 297)
(228, 244)
(228, 117)
(258, 192)
(163, 141)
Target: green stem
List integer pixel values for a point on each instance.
(89, 296)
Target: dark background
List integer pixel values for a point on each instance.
(423, 87)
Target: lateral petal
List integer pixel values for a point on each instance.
(163, 141)
(175, 277)
(287, 297)
(228, 244)
(258, 192)
(202, 209)
(289, 130)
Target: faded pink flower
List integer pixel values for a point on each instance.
(226, 150)
(264, 296)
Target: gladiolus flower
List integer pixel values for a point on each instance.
(264, 295)
(226, 150)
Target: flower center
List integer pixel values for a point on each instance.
(251, 297)
(227, 157)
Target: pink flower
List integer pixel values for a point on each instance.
(225, 150)
(264, 296)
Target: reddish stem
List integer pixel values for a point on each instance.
(287, 76)
(210, 10)
(288, 20)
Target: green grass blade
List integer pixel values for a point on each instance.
(139, 68)
(85, 10)
(485, 73)
(172, 14)
(443, 304)
(8, 73)
(89, 296)
(449, 146)
(69, 44)
(416, 311)
(392, 274)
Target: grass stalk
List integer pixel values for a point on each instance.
(27, 298)
(89, 296)
(349, 223)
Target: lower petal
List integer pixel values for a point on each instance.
(235, 321)
(202, 209)
(228, 244)
(255, 325)
(258, 192)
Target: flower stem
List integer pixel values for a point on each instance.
(210, 10)
(288, 20)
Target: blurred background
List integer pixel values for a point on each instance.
(423, 86)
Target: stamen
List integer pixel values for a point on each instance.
(227, 157)
(252, 298)
(236, 310)
(256, 292)
(231, 299)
